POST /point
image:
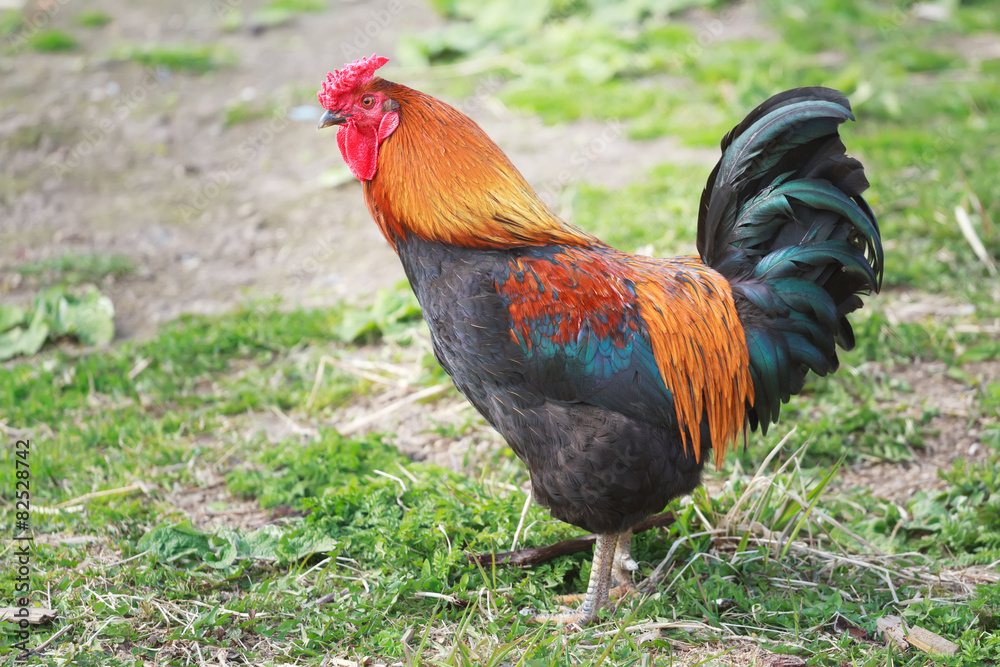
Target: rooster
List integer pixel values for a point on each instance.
(612, 375)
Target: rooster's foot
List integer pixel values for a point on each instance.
(622, 590)
(570, 620)
(598, 588)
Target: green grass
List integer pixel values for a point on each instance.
(280, 12)
(11, 20)
(52, 41)
(242, 111)
(388, 535)
(93, 19)
(296, 6)
(147, 396)
(56, 313)
(925, 112)
(74, 269)
(190, 58)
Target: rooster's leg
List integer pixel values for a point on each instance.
(624, 566)
(597, 588)
(621, 572)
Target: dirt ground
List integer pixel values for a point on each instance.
(102, 155)
(106, 156)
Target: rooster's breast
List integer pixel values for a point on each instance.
(601, 467)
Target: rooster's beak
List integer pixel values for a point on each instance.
(333, 118)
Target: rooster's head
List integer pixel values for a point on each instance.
(365, 114)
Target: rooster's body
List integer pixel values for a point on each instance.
(609, 374)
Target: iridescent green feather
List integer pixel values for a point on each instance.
(783, 219)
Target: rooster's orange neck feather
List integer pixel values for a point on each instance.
(441, 178)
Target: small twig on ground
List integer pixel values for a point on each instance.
(319, 377)
(969, 231)
(536, 555)
(402, 485)
(446, 538)
(41, 647)
(407, 473)
(98, 632)
(669, 625)
(10, 430)
(137, 486)
(520, 522)
(296, 428)
(362, 422)
(405, 641)
(987, 223)
(140, 365)
(126, 560)
(330, 598)
(450, 599)
(359, 368)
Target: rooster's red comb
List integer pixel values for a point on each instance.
(344, 81)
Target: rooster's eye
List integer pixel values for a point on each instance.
(367, 101)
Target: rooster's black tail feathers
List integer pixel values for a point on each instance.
(782, 218)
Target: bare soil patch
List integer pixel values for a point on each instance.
(108, 156)
(955, 431)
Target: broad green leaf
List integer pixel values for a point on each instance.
(90, 318)
(26, 341)
(177, 541)
(10, 316)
